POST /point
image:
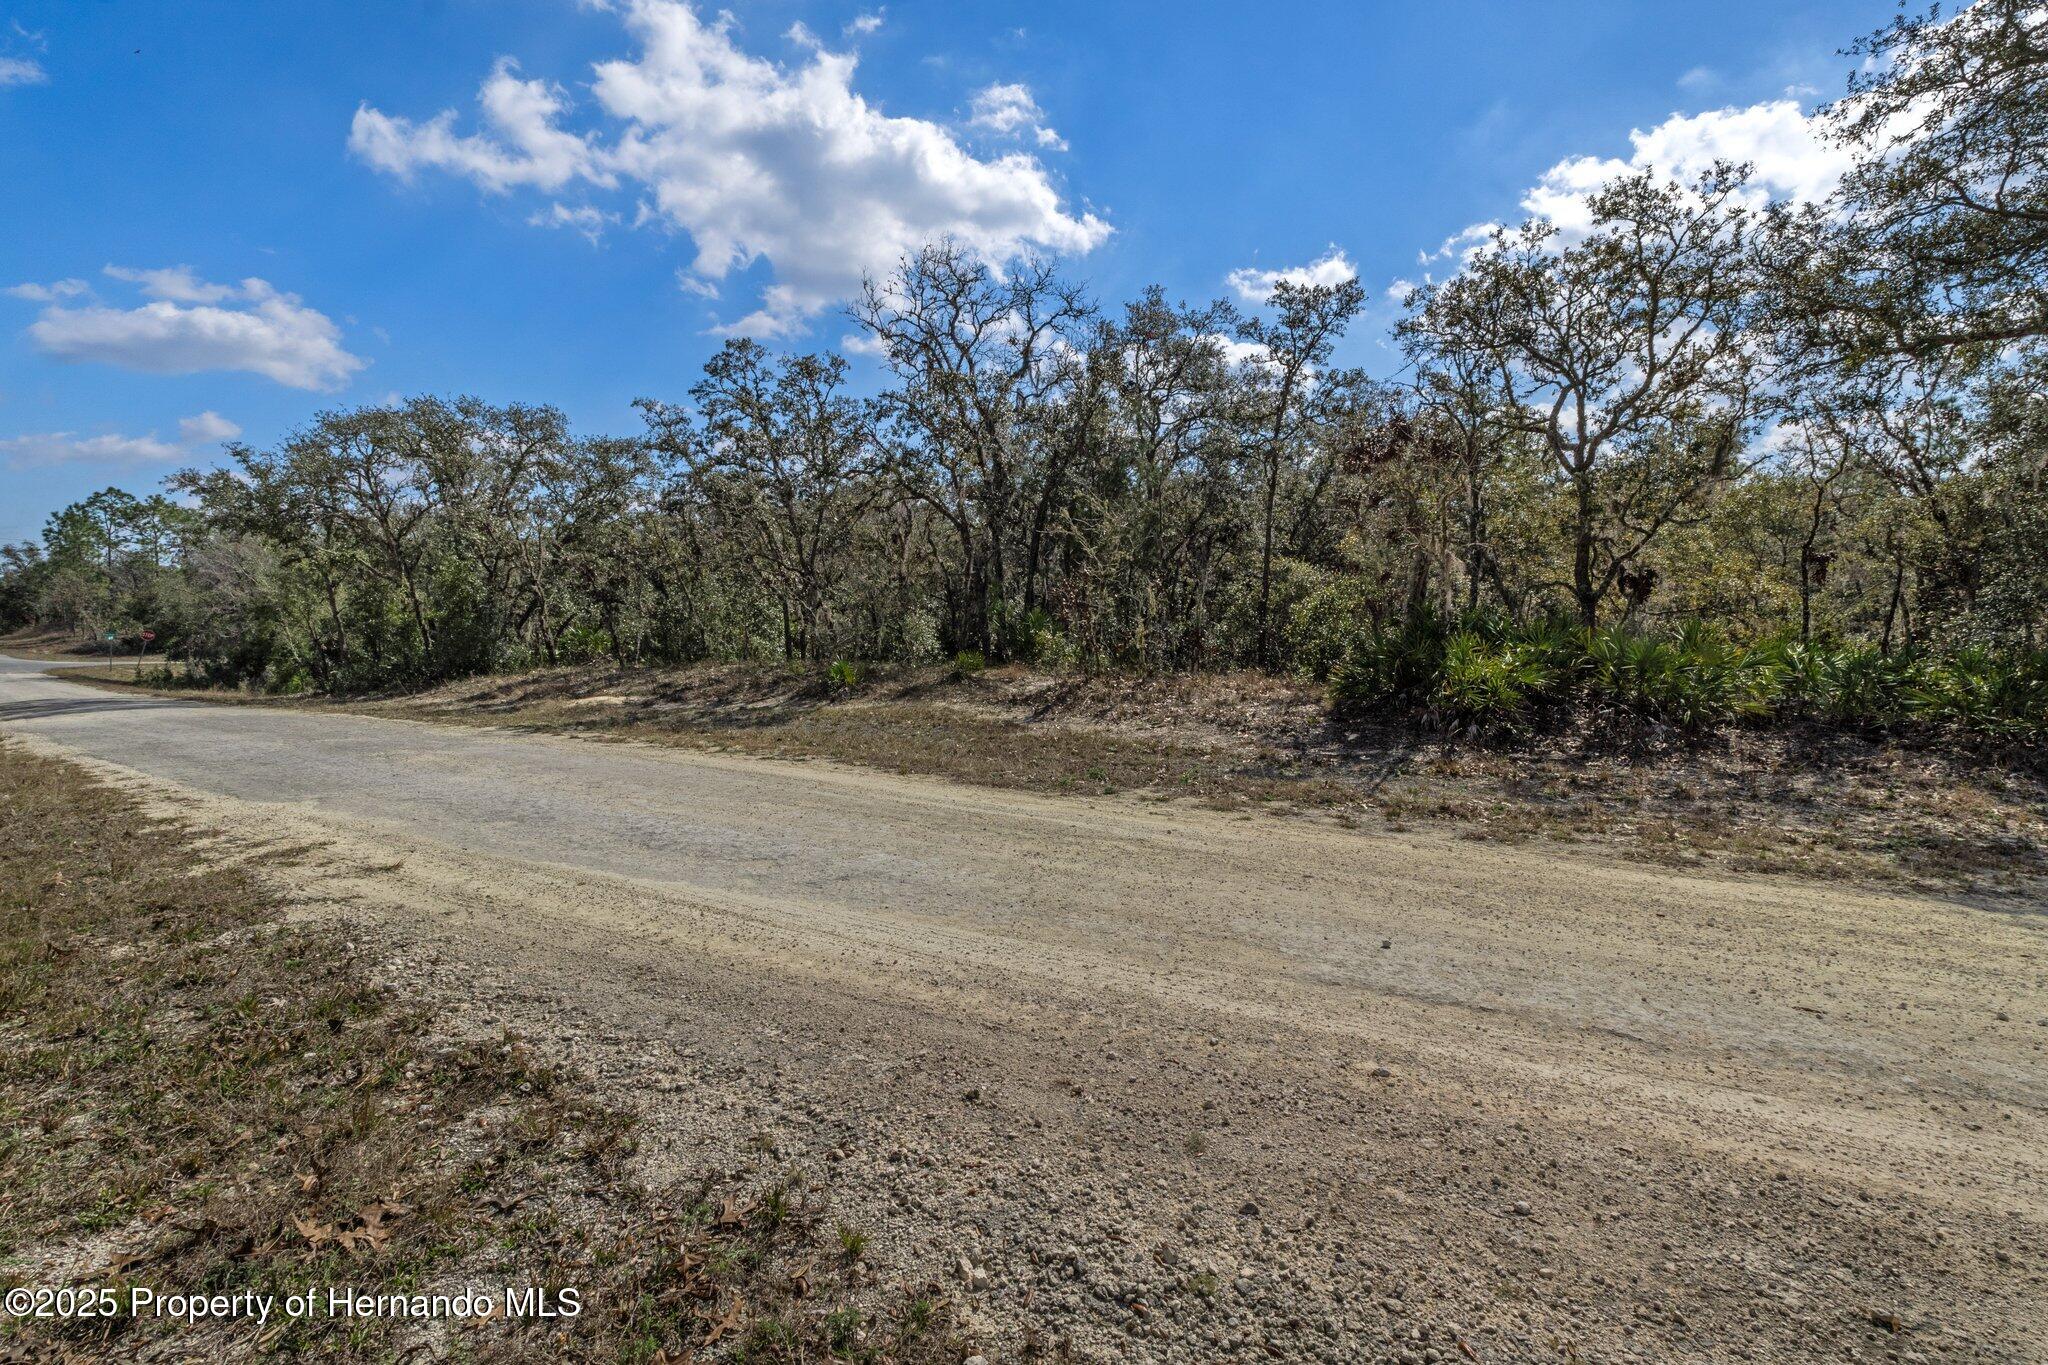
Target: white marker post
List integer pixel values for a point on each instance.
(110, 653)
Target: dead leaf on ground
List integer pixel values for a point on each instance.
(724, 1324)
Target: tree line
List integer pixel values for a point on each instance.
(1823, 423)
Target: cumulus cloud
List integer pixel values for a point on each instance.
(1011, 110)
(1236, 352)
(47, 448)
(1256, 286)
(1787, 151)
(754, 160)
(864, 24)
(523, 148)
(51, 292)
(189, 325)
(22, 71)
(43, 449)
(1790, 157)
(863, 343)
(207, 428)
(1789, 154)
(692, 284)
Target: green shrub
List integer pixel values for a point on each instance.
(1695, 680)
(1488, 672)
(845, 675)
(1402, 663)
(1862, 685)
(582, 645)
(1324, 623)
(1489, 686)
(968, 661)
(1977, 690)
(1052, 647)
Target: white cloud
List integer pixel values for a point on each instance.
(753, 159)
(207, 428)
(43, 449)
(1237, 352)
(1011, 110)
(50, 293)
(524, 147)
(22, 71)
(1790, 156)
(68, 447)
(177, 283)
(864, 24)
(1462, 243)
(1257, 286)
(863, 343)
(190, 325)
(584, 218)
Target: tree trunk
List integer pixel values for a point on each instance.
(1584, 543)
(1265, 644)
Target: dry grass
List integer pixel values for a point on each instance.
(52, 645)
(1825, 807)
(196, 1095)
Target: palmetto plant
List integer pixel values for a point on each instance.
(1486, 672)
(1490, 686)
(1981, 691)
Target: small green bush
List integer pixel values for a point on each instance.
(1490, 686)
(968, 661)
(1402, 662)
(1320, 628)
(582, 645)
(845, 675)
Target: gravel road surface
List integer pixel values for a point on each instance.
(1143, 1081)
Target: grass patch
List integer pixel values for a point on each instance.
(198, 1096)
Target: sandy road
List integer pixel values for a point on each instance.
(1498, 1100)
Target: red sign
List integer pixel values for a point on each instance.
(149, 635)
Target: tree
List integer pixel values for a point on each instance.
(1911, 424)
(1823, 456)
(1463, 391)
(1158, 504)
(978, 357)
(487, 473)
(1938, 235)
(792, 463)
(1290, 393)
(1625, 354)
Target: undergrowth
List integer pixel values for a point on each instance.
(1487, 673)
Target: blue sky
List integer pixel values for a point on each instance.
(222, 217)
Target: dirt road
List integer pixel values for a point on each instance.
(1170, 1084)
